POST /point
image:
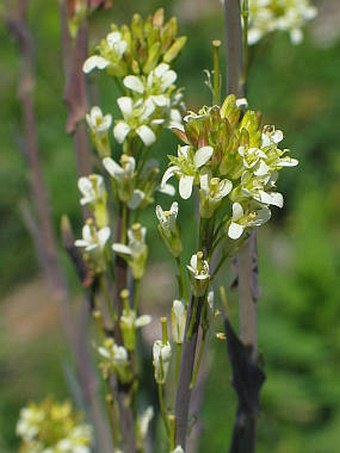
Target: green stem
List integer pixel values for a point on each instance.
(182, 289)
(136, 295)
(193, 319)
(105, 292)
(112, 416)
(123, 238)
(162, 409)
(217, 77)
(199, 360)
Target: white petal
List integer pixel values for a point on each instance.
(120, 131)
(288, 162)
(120, 47)
(204, 182)
(95, 62)
(262, 169)
(277, 137)
(193, 262)
(125, 104)
(161, 100)
(113, 38)
(167, 189)
(146, 134)
(134, 83)
(169, 172)
(84, 185)
(237, 211)
(121, 248)
(113, 168)
(296, 36)
(168, 79)
(235, 230)
(81, 243)
(160, 214)
(225, 187)
(143, 320)
(185, 186)
(202, 155)
(137, 197)
(161, 69)
(103, 235)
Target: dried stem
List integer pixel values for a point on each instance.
(186, 369)
(246, 259)
(40, 221)
(74, 55)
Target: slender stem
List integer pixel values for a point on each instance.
(172, 425)
(234, 45)
(198, 360)
(106, 295)
(178, 359)
(111, 412)
(217, 76)
(136, 294)
(182, 289)
(245, 17)
(124, 223)
(162, 409)
(183, 393)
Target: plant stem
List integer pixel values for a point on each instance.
(136, 294)
(182, 291)
(162, 409)
(198, 360)
(183, 393)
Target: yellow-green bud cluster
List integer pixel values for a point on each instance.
(54, 427)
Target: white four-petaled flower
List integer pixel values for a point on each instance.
(242, 220)
(93, 238)
(186, 167)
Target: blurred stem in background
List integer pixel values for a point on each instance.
(244, 434)
(40, 226)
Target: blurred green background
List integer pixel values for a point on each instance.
(297, 89)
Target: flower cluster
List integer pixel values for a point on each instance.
(266, 16)
(233, 161)
(137, 49)
(114, 359)
(129, 322)
(51, 427)
(139, 56)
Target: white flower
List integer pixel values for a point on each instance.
(116, 355)
(93, 238)
(136, 119)
(186, 167)
(116, 48)
(178, 320)
(161, 360)
(199, 268)
(256, 187)
(124, 176)
(212, 192)
(178, 449)
(136, 252)
(29, 422)
(92, 188)
(95, 62)
(241, 220)
(116, 43)
(97, 122)
(266, 16)
(144, 421)
(168, 219)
